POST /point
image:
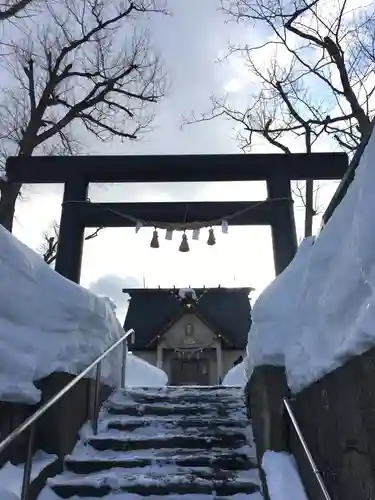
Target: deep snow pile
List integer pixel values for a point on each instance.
(47, 324)
(139, 373)
(321, 309)
(236, 376)
(283, 480)
(11, 475)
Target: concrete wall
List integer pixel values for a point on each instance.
(337, 418)
(57, 431)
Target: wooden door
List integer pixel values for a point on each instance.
(190, 372)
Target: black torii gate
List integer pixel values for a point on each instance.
(76, 172)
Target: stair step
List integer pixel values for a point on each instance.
(167, 423)
(144, 490)
(115, 429)
(189, 388)
(83, 451)
(214, 409)
(175, 397)
(108, 442)
(225, 461)
(187, 443)
(154, 483)
(192, 496)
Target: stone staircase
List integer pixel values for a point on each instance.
(169, 441)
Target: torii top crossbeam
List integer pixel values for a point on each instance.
(176, 168)
(78, 171)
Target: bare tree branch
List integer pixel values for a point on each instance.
(48, 248)
(77, 67)
(310, 78)
(12, 9)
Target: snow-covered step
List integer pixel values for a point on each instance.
(180, 441)
(125, 443)
(49, 495)
(216, 409)
(83, 451)
(149, 424)
(141, 396)
(119, 428)
(156, 481)
(85, 463)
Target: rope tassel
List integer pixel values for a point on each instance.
(184, 247)
(155, 240)
(211, 237)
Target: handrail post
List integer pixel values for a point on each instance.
(30, 422)
(306, 450)
(28, 464)
(96, 398)
(124, 355)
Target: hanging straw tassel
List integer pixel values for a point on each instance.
(155, 240)
(211, 237)
(184, 247)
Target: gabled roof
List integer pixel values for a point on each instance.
(226, 310)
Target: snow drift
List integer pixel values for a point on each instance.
(140, 373)
(283, 480)
(321, 310)
(236, 376)
(48, 324)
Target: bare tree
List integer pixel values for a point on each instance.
(86, 65)
(312, 77)
(48, 248)
(13, 8)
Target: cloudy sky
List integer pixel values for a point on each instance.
(190, 42)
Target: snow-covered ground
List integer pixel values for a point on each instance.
(139, 373)
(321, 310)
(283, 480)
(236, 376)
(11, 475)
(49, 324)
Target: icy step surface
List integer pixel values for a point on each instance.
(175, 441)
(133, 496)
(148, 424)
(155, 480)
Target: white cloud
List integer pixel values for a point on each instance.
(234, 85)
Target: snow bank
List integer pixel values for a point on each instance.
(236, 376)
(283, 479)
(11, 475)
(47, 324)
(139, 373)
(321, 309)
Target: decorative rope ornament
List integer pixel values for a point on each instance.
(183, 226)
(155, 239)
(184, 247)
(211, 237)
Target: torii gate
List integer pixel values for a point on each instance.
(76, 172)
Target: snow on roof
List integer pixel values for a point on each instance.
(47, 324)
(321, 310)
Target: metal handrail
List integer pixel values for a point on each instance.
(306, 450)
(29, 423)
